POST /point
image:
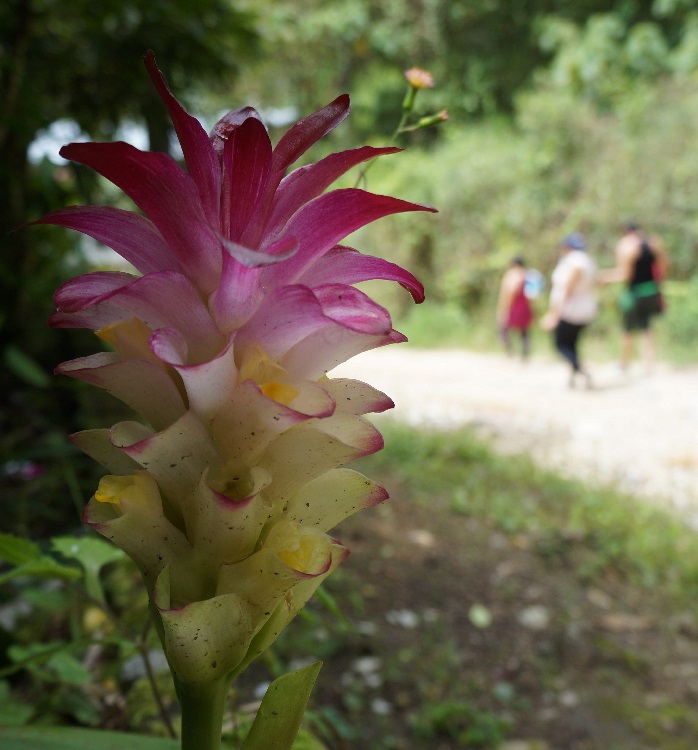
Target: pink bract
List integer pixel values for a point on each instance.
(241, 300)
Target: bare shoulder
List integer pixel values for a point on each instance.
(657, 244)
(513, 277)
(628, 248)
(627, 252)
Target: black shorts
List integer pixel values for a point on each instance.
(643, 309)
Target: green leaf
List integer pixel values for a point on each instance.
(17, 550)
(20, 654)
(25, 367)
(280, 715)
(26, 657)
(29, 561)
(330, 604)
(307, 741)
(63, 738)
(68, 669)
(13, 712)
(93, 554)
(43, 568)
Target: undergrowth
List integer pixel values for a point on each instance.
(646, 544)
(417, 652)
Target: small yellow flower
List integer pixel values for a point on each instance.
(128, 337)
(304, 549)
(267, 374)
(419, 79)
(132, 489)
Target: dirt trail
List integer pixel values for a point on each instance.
(639, 432)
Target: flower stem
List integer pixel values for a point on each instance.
(202, 706)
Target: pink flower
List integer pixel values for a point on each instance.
(241, 302)
(419, 79)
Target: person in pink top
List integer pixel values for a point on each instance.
(513, 307)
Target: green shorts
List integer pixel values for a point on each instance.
(638, 314)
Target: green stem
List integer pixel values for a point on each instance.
(202, 706)
(364, 169)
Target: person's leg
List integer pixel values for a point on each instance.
(566, 341)
(647, 307)
(632, 322)
(525, 343)
(565, 336)
(626, 349)
(505, 338)
(648, 349)
(582, 370)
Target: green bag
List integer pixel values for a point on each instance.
(629, 296)
(626, 300)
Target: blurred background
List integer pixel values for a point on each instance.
(561, 117)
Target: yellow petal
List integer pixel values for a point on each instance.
(257, 366)
(302, 548)
(279, 392)
(130, 489)
(128, 337)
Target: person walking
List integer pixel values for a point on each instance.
(573, 303)
(514, 312)
(641, 263)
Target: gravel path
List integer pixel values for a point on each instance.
(638, 432)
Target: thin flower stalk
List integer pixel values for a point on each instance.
(417, 79)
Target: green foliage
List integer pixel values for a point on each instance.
(25, 367)
(28, 560)
(53, 627)
(93, 553)
(281, 712)
(506, 189)
(58, 632)
(50, 662)
(587, 530)
(680, 324)
(648, 545)
(481, 53)
(13, 712)
(69, 62)
(62, 738)
(461, 722)
(589, 121)
(198, 42)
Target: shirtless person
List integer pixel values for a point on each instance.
(641, 262)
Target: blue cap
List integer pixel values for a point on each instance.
(574, 241)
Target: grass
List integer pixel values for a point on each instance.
(448, 681)
(562, 538)
(647, 544)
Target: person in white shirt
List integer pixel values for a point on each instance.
(573, 303)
